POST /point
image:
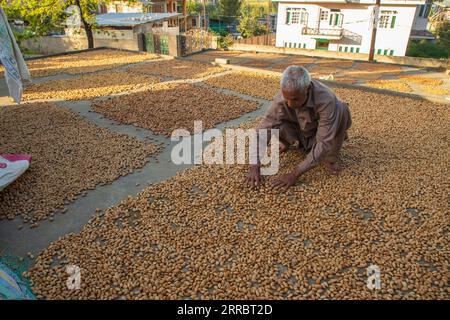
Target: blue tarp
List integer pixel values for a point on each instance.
(12, 287)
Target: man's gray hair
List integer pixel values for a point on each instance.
(295, 78)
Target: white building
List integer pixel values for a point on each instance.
(346, 25)
(139, 6)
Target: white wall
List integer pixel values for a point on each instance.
(127, 8)
(356, 19)
(293, 33)
(113, 34)
(397, 38)
(420, 23)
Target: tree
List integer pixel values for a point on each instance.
(248, 25)
(439, 49)
(43, 16)
(443, 35)
(193, 7)
(229, 9)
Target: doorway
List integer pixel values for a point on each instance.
(322, 44)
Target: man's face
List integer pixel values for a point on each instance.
(294, 98)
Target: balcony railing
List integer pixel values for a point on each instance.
(323, 32)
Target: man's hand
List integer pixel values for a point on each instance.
(254, 177)
(286, 180)
(332, 168)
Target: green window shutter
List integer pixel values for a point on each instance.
(379, 51)
(385, 52)
(351, 49)
(331, 19)
(346, 49)
(304, 46)
(357, 50)
(295, 45)
(290, 44)
(336, 20)
(288, 17)
(391, 53)
(393, 22)
(340, 48)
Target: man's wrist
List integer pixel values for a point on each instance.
(297, 172)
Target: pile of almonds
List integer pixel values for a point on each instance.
(344, 79)
(294, 60)
(203, 234)
(211, 55)
(394, 85)
(260, 63)
(85, 62)
(88, 86)
(167, 107)
(430, 89)
(421, 80)
(69, 155)
(372, 71)
(426, 84)
(177, 69)
(329, 66)
(252, 83)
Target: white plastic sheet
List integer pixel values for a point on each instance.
(12, 166)
(16, 71)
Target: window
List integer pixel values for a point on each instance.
(340, 48)
(387, 19)
(351, 49)
(335, 18)
(357, 50)
(384, 20)
(385, 52)
(304, 46)
(323, 15)
(346, 49)
(296, 16)
(119, 8)
(379, 51)
(391, 53)
(194, 22)
(393, 22)
(424, 10)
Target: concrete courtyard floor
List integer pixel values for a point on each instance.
(30, 241)
(430, 83)
(26, 243)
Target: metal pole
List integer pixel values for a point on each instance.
(267, 23)
(204, 16)
(374, 30)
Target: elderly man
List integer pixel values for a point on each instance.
(309, 114)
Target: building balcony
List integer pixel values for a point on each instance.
(331, 34)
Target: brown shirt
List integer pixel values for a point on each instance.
(322, 121)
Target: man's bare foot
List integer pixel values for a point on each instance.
(332, 168)
(282, 148)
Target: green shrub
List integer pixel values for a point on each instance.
(427, 49)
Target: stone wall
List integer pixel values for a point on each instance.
(411, 61)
